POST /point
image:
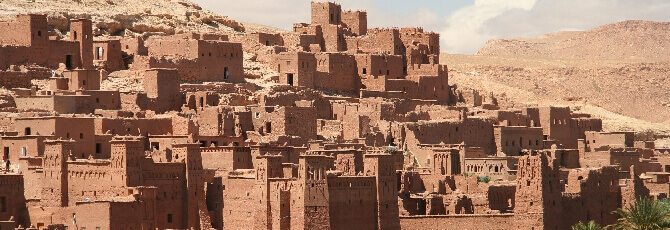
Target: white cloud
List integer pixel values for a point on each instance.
(464, 31)
(469, 28)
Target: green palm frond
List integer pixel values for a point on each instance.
(592, 225)
(645, 214)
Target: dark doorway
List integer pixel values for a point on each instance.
(268, 127)
(68, 61)
(290, 78)
(6, 154)
(28, 132)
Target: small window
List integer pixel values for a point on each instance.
(83, 82)
(39, 33)
(365, 71)
(97, 100)
(98, 148)
(169, 218)
(27, 131)
(3, 204)
(99, 53)
(81, 135)
(388, 72)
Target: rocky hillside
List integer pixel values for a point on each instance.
(620, 72)
(623, 40)
(124, 17)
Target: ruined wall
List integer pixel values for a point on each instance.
(324, 13)
(108, 55)
(356, 21)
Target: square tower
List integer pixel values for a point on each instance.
(161, 83)
(356, 21)
(324, 13)
(83, 79)
(382, 166)
(315, 202)
(81, 30)
(125, 159)
(537, 200)
(55, 187)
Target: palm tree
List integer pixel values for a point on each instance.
(589, 226)
(645, 214)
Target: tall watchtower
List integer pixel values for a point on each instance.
(382, 166)
(312, 175)
(125, 160)
(55, 187)
(324, 13)
(81, 30)
(537, 197)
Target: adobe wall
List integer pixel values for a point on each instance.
(21, 31)
(171, 192)
(297, 69)
(196, 60)
(356, 21)
(378, 41)
(80, 129)
(92, 180)
(133, 46)
(134, 126)
(14, 201)
(163, 85)
(21, 146)
(237, 193)
(108, 55)
(106, 100)
(83, 79)
(352, 201)
(14, 79)
(591, 194)
(431, 39)
(378, 65)
(495, 168)
(336, 72)
(595, 140)
(511, 140)
(59, 50)
(324, 13)
(461, 221)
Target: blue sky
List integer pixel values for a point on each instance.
(464, 25)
